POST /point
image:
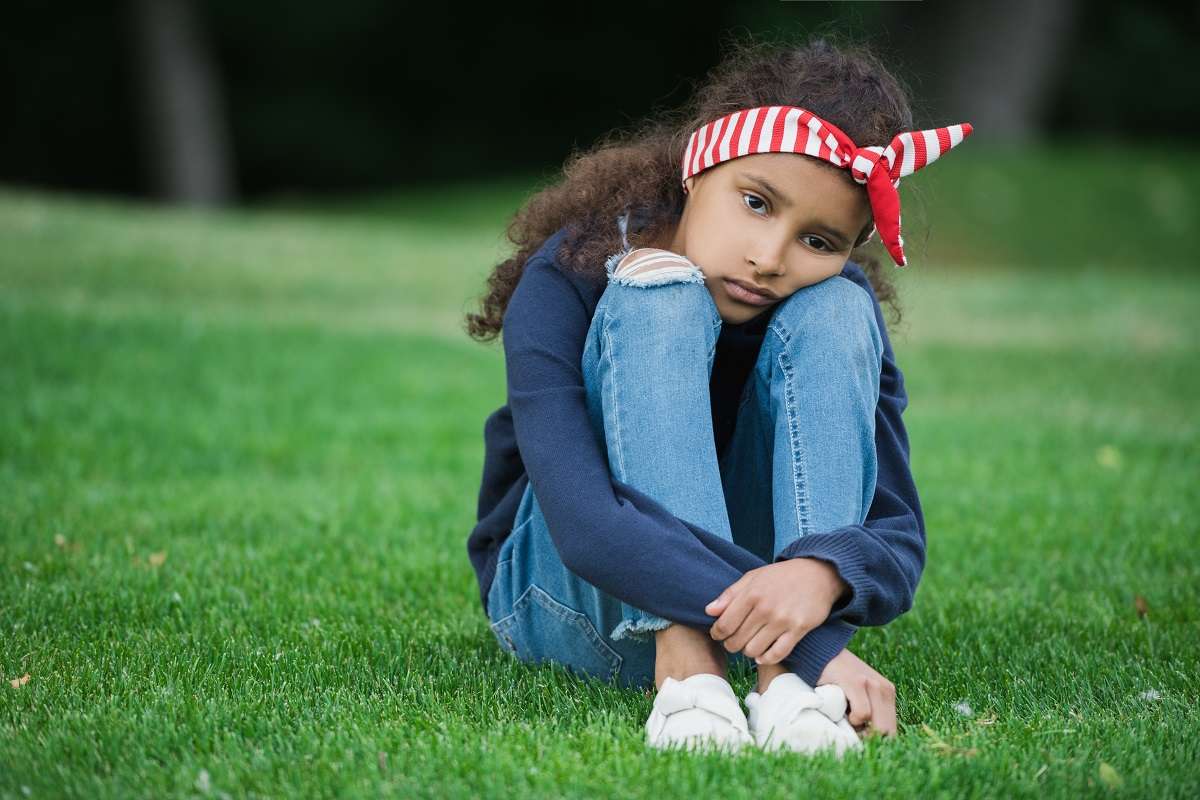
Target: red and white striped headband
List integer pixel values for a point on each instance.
(776, 129)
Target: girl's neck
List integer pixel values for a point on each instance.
(665, 240)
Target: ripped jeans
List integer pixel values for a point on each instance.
(804, 419)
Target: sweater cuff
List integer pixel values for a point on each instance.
(842, 548)
(818, 647)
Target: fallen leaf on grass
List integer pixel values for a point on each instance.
(203, 782)
(945, 747)
(61, 543)
(153, 560)
(1140, 605)
(21, 681)
(1108, 456)
(1109, 776)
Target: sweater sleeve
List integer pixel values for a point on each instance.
(612, 535)
(882, 559)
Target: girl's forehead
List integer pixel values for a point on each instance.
(804, 183)
(795, 175)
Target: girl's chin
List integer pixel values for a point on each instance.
(739, 315)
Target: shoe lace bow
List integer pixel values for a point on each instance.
(682, 698)
(828, 698)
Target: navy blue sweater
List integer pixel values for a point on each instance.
(625, 542)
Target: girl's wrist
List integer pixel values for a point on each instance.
(836, 586)
(821, 578)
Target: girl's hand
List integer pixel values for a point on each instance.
(771, 608)
(871, 696)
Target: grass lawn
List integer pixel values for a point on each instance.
(239, 458)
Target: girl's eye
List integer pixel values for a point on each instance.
(753, 197)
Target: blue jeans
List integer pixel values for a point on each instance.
(805, 417)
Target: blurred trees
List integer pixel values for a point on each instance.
(996, 63)
(188, 158)
(198, 99)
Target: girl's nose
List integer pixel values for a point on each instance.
(766, 253)
(766, 261)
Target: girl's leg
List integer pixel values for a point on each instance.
(539, 610)
(647, 364)
(646, 367)
(807, 419)
(807, 415)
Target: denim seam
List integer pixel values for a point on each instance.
(612, 362)
(798, 458)
(512, 532)
(570, 616)
(514, 529)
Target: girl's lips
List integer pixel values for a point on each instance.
(745, 295)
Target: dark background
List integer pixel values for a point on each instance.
(318, 97)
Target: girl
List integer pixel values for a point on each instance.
(702, 458)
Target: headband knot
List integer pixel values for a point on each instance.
(790, 129)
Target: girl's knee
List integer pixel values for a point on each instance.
(836, 311)
(671, 300)
(651, 266)
(834, 297)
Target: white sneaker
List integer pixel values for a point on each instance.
(698, 713)
(792, 714)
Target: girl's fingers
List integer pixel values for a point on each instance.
(860, 703)
(782, 646)
(722, 601)
(732, 619)
(762, 641)
(717, 607)
(883, 709)
(746, 634)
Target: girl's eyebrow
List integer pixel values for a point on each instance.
(769, 188)
(784, 200)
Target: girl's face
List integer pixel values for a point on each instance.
(774, 221)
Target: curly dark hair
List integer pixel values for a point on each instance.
(844, 83)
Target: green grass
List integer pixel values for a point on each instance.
(239, 458)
